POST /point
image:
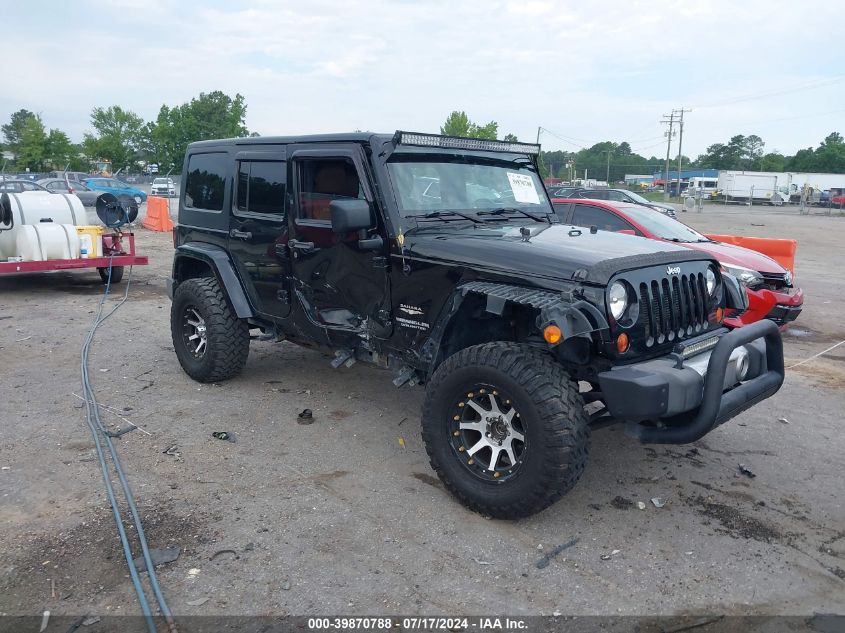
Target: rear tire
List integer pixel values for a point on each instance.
(538, 401)
(116, 274)
(211, 343)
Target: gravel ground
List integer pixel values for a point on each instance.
(345, 515)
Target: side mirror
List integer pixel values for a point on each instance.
(350, 215)
(627, 231)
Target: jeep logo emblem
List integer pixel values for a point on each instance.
(673, 270)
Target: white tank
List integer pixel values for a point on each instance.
(40, 208)
(40, 242)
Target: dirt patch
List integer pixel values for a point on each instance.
(734, 522)
(822, 374)
(87, 560)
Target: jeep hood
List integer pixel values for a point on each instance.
(558, 251)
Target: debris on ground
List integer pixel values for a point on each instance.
(745, 470)
(220, 552)
(197, 603)
(402, 442)
(658, 502)
(611, 555)
(285, 585)
(783, 420)
(621, 503)
(640, 505)
(306, 416)
(605, 556)
(546, 559)
(93, 619)
(481, 562)
(193, 572)
(45, 619)
(223, 435)
(249, 547)
(159, 557)
(172, 450)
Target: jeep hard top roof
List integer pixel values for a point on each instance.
(400, 137)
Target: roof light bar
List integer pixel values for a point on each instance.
(457, 142)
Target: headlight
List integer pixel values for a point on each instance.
(617, 299)
(746, 276)
(787, 278)
(710, 280)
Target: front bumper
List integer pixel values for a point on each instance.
(686, 398)
(780, 306)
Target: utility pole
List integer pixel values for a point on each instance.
(671, 122)
(680, 144)
(538, 134)
(607, 176)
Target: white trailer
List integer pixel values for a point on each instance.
(789, 183)
(748, 186)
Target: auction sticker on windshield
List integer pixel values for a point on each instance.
(523, 188)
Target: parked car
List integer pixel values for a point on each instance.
(77, 176)
(118, 188)
(86, 195)
(556, 191)
(19, 186)
(499, 310)
(622, 195)
(769, 285)
(838, 200)
(163, 187)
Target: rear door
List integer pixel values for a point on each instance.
(258, 229)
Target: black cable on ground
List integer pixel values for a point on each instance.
(99, 432)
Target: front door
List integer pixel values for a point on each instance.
(258, 230)
(340, 286)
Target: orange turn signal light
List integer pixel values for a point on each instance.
(622, 343)
(552, 334)
(718, 315)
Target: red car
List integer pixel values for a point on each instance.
(840, 200)
(768, 284)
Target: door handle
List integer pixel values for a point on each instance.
(301, 246)
(244, 235)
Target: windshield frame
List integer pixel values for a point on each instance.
(516, 162)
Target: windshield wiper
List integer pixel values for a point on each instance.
(677, 239)
(501, 210)
(446, 214)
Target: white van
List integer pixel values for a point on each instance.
(701, 184)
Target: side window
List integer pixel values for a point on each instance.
(586, 215)
(261, 187)
(618, 196)
(324, 180)
(205, 182)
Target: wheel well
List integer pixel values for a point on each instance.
(472, 325)
(191, 268)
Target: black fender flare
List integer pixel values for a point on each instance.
(221, 264)
(576, 318)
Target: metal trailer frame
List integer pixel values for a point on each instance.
(128, 259)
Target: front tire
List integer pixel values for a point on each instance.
(116, 274)
(505, 429)
(211, 343)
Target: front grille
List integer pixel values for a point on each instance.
(673, 308)
(774, 281)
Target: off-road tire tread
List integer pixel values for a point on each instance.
(230, 334)
(560, 407)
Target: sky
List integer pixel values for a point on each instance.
(585, 72)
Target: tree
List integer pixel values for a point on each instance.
(119, 136)
(752, 151)
(59, 151)
(32, 145)
(773, 161)
(511, 138)
(209, 116)
(458, 124)
(13, 131)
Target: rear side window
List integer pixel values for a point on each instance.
(205, 182)
(261, 187)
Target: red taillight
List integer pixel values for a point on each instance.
(70, 189)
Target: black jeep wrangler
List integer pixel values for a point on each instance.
(441, 259)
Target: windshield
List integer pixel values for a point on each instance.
(638, 198)
(427, 182)
(662, 225)
(160, 181)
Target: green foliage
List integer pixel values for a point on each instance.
(118, 138)
(458, 124)
(209, 116)
(31, 145)
(746, 152)
(13, 131)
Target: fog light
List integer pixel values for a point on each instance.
(552, 334)
(622, 343)
(742, 365)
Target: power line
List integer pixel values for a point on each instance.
(772, 93)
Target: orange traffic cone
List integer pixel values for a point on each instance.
(158, 215)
